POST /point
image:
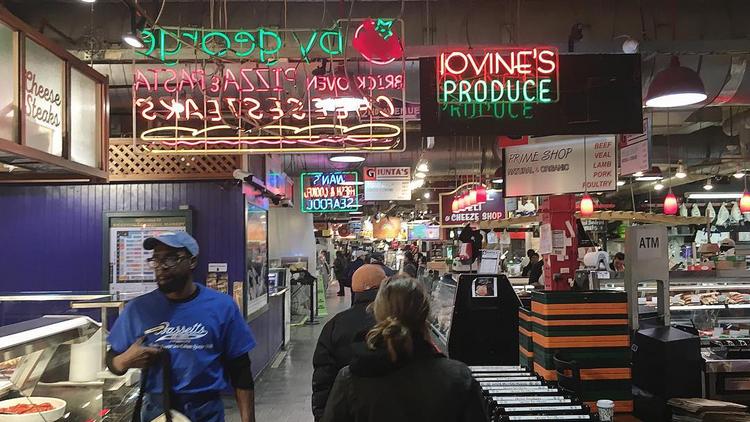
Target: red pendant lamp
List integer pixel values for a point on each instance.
(454, 205)
(461, 202)
(482, 194)
(587, 205)
(670, 204)
(745, 202)
(472, 197)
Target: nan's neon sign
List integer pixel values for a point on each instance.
(329, 192)
(498, 76)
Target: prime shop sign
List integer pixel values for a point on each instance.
(493, 209)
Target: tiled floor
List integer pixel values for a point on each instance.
(282, 394)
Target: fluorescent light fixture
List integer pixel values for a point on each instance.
(352, 183)
(714, 195)
(346, 158)
(708, 185)
(88, 1)
(621, 183)
(498, 180)
(132, 40)
(675, 86)
(649, 178)
(342, 103)
(658, 187)
(356, 213)
(638, 174)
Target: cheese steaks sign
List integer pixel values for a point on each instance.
(329, 192)
(493, 209)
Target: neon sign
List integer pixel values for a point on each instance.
(498, 76)
(260, 109)
(328, 192)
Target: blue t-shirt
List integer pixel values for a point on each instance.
(200, 335)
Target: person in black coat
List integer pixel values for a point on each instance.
(339, 270)
(333, 350)
(397, 374)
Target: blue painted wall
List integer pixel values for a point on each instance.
(52, 235)
(51, 239)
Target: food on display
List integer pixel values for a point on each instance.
(24, 409)
(712, 298)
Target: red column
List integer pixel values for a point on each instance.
(559, 212)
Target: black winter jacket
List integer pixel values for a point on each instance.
(333, 350)
(427, 388)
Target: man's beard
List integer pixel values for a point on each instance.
(173, 285)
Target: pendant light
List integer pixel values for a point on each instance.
(745, 200)
(670, 204)
(587, 205)
(472, 197)
(482, 194)
(675, 86)
(454, 205)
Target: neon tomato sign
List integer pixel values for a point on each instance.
(329, 192)
(498, 76)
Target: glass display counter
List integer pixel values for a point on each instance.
(53, 366)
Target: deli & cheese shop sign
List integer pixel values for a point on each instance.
(329, 192)
(493, 209)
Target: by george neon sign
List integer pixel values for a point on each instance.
(516, 75)
(328, 192)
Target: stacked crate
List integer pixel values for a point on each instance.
(525, 340)
(590, 329)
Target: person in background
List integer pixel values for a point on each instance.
(527, 267)
(353, 266)
(202, 330)
(618, 263)
(339, 270)
(377, 258)
(536, 268)
(333, 350)
(726, 247)
(410, 266)
(397, 374)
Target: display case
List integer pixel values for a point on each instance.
(442, 300)
(56, 364)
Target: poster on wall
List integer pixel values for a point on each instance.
(635, 150)
(517, 91)
(127, 266)
(387, 183)
(493, 209)
(559, 167)
(256, 257)
(329, 191)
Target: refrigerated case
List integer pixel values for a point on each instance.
(58, 357)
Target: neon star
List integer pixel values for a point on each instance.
(384, 28)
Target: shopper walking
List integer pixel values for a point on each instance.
(339, 270)
(202, 331)
(333, 350)
(410, 266)
(397, 375)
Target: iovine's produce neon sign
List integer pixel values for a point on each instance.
(328, 192)
(498, 76)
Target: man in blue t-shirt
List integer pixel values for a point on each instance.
(202, 330)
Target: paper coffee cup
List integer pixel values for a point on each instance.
(606, 410)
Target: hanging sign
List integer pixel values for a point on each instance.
(387, 183)
(635, 150)
(493, 209)
(261, 100)
(559, 167)
(329, 192)
(516, 91)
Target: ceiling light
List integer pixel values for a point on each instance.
(681, 172)
(638, 174)
(178, 107)
(675, 86)
(717, 195)
(423, 166)
(621, 183)
(498, 180)
(356, 213)
(88, 1)
(352, 183)
(346, 158)
(649, 178)
(587, 205)
(420, 175)
(416, 184)
(427, 195)
(630, 46)
(670, 204)
(708, 185)
(739, 174)
(658, 187)
(132, 40)
(342, 104)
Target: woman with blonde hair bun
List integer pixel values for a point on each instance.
(397, 374)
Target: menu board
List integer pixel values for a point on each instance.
(128, 270)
